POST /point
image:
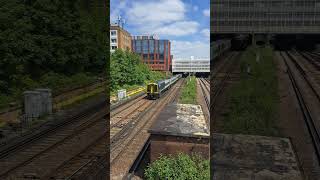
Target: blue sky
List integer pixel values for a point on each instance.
(186, 23)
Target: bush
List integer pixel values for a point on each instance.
(65, 37)
(59, 82)
(126, 69)
(180, 167)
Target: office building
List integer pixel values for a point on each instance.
(154, 52)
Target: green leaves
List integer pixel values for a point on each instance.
(126, 68)
(180, 167)
(39, 36)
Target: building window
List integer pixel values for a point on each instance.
(114, 40)
(152, 56)
(145, 56)
(145, 48)
(113, 47)
(161, 58)
(151, 46)
(113, 33)
(161, 46)
(138, 46)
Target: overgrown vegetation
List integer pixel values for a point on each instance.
(179, 167)
(127, 70)
(254, 100)
(50, 43)
(189, 91)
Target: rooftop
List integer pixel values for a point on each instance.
(181, 120)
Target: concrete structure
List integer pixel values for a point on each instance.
(119, 38)
(32, 105)
(265, 16)
(191, 64)
(237, 157)
(46, 101)
(154, 52)
(37, 103)
(179, 128)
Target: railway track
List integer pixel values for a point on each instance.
(311, 59)
(120, 124)
(218, 82)
(205, 88)
(73, 168)
(126, 147)
(40, 154)
(310, 116)
(80, 163)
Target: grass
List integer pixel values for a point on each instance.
(80, 98)
(57, 82)
(126, 87)
(254, 100)
(189, 92)
(181, 167)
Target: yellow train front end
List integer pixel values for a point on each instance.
(152, 91)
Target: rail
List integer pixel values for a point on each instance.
(314, 133)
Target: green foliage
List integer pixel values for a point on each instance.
(254, 101)
(58, 36)
(126, 69)
(189, 91)
(181, 167)
(58, 82)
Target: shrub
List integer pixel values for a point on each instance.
(178, 167)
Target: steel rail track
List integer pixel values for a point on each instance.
(122, 130)
(205, 92)
(11, 148)
(309, 121)
(91, 122)
(219, 86)
(136, 106)
(127, 130)
(71, 168)
(312, 61)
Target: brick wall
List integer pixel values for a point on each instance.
(162, 144)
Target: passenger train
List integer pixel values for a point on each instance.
(219, 47)
(154, 90)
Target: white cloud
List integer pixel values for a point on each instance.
(115, 12)
(185, 49)
(161, 17)
(205, 33)
(179, 28)
(206, 12)
(159, 12)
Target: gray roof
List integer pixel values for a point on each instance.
(181, 120)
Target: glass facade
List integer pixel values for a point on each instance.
(161, 46)
(154, 52)
(138, 46)
(145, 48)
(151, 46)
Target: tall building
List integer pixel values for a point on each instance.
(119, 38)
(154, 52)
(265, 16)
